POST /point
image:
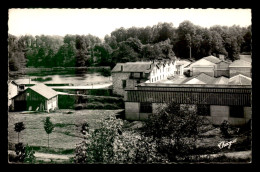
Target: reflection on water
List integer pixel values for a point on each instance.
(76, 79)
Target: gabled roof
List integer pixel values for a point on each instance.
(12, 82)
(221, 80)
(240, 80)
(202, 78)
(139, 66)
(132, 67)
(212, 59)
(44, 90)
(240, 63)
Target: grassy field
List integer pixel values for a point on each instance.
(65, 135)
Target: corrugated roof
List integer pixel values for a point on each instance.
(240, 63)
(240, 80)
(190, 94)
(212, 59)
(44, 90)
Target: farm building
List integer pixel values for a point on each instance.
(211, 66)
(240, 67)
(13, 90)
(215, 102)
(38, 97)
(203, 78)
(128, 75)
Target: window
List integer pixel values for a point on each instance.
(203, 110)
(137, 75)
(236, 111)
(146, 107)
(123, 83)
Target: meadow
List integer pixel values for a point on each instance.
(65, 135)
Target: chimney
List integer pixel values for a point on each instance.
(221, 57)
(122, 68)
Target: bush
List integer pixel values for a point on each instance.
(23, 154)
(187, 73)
(175, 130)
(224, 127)
(106, 72)
(78, 107)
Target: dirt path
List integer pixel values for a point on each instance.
(47, 156)
(52, 156)
(240, 154)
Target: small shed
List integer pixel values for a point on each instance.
(36, 98)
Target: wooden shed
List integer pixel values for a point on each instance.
(36, 98)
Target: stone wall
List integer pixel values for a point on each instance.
(117, 82)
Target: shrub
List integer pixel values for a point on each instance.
(174, 130)
(78, 107)
(224, 128)
(187, 73)
(23, 154)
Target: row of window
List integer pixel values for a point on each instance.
(202, 110)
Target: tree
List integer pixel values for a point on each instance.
(82, 54)
(48, 126)
(163, 31)
(98, 145)
(174, 129)
(103, 54)
(18, 127)
(23, 154)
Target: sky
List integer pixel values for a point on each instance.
(99, 22)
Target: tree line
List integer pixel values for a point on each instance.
(161, 41)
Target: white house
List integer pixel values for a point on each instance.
(128, 75)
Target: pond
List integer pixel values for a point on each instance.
(75, 79)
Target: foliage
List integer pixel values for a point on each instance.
(48, 127)
(24, 153)
(106, 72)
(162, 40)
(224, 128)
(174, 129)
(98, 144)
(18, 127)
(167, 136)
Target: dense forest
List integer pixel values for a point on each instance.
(161, 41)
